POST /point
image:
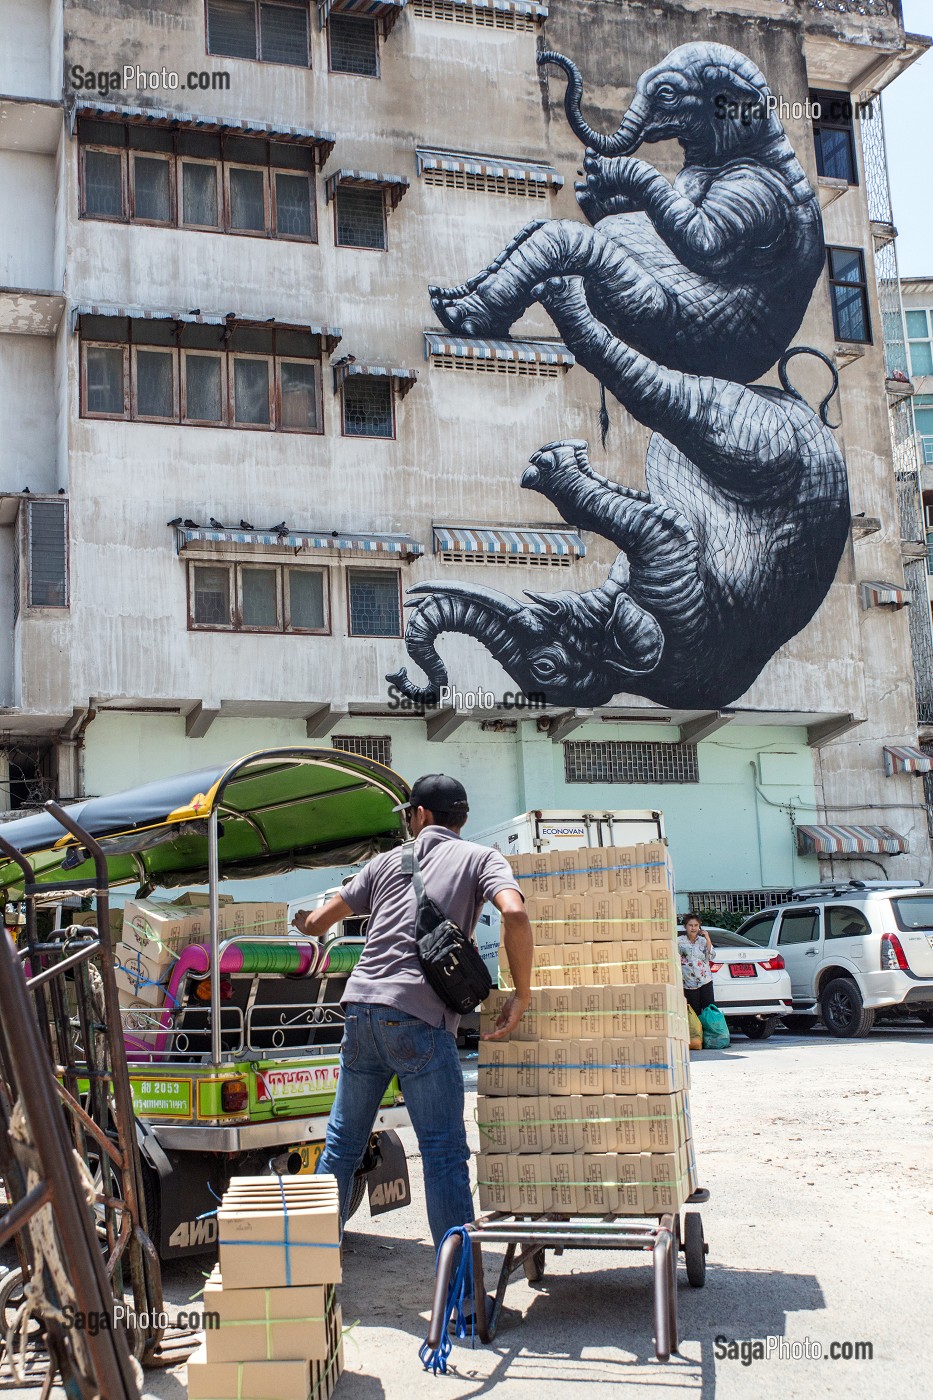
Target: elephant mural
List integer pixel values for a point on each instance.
(674, 301)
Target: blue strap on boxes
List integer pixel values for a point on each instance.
(288, 1243)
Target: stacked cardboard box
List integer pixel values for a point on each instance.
(584, 1110)
(279, 1335)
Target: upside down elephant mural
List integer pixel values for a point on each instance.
(675, 300)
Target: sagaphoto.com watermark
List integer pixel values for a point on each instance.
(748, 1350)
(132, 78)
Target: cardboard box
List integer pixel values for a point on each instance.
(542, 877)
(138, 977)
(620, 1058)
(594, 1129)
(599, 916)
(524, 1074)
(607, 963)
(665, 963)
(528, 1130)
(577, 964)
(621, 868)
(633, 909)
(563, 1177)
(666, 1179)
(662, 1010)
(494, 1180)
(665, 1124)
(149, 924)
(494, 1116)
(268, 1324)
(572, 867)
(556, 1020)
(494, 1058)
(653, 863)
(530, 1191)
(663, 1066)
(560, 1112)
(87, 918)
(197, 899)
(562, 1059)
(622, 1018)
(599, 1194)
(247, 1380)
(544, 912)
(661, 912)
(629, 1173)
(588, 1010)
(252, 1238)
(635, 964)
(597, 867)
(571, 914)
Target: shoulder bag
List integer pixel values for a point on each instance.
(449, 958)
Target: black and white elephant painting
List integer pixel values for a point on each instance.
(676, 299)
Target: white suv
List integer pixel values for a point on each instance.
(853, 948)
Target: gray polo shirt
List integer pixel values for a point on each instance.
(459, 876)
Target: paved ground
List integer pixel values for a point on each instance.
(818, 1155)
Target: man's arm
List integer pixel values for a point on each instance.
(518, 942)
(316, 922)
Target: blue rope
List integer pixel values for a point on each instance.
(459, 1290)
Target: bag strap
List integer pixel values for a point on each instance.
(411, 867)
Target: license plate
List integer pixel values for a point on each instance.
(743, 969)
(309, 1152)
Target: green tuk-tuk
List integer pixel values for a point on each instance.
(236, 1072)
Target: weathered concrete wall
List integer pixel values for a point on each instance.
(28, 63)
(7, 542)
(27, 233)
(27, 413)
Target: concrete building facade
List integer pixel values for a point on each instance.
(236, 433)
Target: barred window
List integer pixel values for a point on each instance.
(624, 762)
(375, 602)
(735, 901)
(367, 407)
(353, 45)
(47, 554)
(360, 217)
(375, 746)
(271, 32)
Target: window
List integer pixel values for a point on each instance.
(360, 217)
(919, 340)
(367, 407)
(375, 602)
(271, 32)
(168, 372)
(197, 180)
(759, 930)
(353, 46)
(375, 746)
(257, 598)
(623, 762)
(849, 292)
(842, 922)
(833, 137)
(47, 554)
(799, 926)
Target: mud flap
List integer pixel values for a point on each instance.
(388, 1184)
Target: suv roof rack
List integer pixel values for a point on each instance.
(830, 888)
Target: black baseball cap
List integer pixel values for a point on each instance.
(437, 793)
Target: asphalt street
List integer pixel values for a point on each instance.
(817, 1155)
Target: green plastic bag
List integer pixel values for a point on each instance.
(715, 1030)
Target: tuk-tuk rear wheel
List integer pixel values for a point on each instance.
(357, 1194)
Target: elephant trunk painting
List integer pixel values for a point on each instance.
(677, 298)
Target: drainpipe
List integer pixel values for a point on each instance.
(761, 864)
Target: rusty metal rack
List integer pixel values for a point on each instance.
(527, 1240)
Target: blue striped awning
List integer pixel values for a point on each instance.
(883, 595)
(395, 186)
(385, 11)
(508, 7)
(402, 379)
(330, 335)
(903, 758)
(496, 167)
(542, 352)
(503, 539)
(200, 538)
(849, 841)
(323, 141)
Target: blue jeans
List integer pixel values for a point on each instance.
(378, 1042)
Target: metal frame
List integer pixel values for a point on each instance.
(526, 1238)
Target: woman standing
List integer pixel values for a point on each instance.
(695, 947)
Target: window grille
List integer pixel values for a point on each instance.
(360, 216)
(354, 46)
(375, 746)
(485, 17)
(375, 603)
(271, 32)
(487, 184)
(524, 369)
(534, 561)
(735, 901)
(630, 762)
(367, 407)
(47, 552)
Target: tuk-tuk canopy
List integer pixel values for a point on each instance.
(277, 810)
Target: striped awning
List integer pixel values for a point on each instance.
(402, 379)
(849, 841)
(323, 141)
(330, 335)
(385, 11)
(203, 538)
(883, 595)
(497, 167)
(902, 758)
(542, 352)
(503, 539)
(395, 186)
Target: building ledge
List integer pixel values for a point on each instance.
(30, 311)
(830, 189)
(31, 125)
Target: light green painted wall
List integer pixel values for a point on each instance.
(732, 830)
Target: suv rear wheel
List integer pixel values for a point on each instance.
(844, 1014)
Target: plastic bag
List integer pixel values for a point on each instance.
(694, 1029)
(715, 1030)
